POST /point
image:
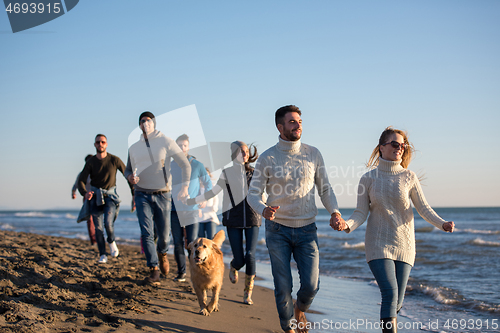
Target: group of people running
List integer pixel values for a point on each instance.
(171, 189)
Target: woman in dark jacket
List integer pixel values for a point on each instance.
(239, 218)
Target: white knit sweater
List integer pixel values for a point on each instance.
(385, 193)
(288, 172)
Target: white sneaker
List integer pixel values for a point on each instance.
(114, 250)
(103, 259)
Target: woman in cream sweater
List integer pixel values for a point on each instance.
(386, 193)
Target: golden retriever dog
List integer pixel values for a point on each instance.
(207, 270)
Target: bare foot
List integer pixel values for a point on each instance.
(300, 317)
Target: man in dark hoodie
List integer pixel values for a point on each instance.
(148, 169)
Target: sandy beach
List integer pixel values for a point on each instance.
(54, 284)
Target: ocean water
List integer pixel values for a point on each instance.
(453, 287)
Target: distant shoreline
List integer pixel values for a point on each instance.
(128, 208)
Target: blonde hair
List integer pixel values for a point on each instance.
(376, 155)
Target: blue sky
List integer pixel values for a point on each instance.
(353, 67)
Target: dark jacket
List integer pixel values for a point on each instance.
(237, 213)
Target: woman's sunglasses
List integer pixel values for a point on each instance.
(396, 145)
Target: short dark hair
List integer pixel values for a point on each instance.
(98, 135)
(183, 137)
(282, 111)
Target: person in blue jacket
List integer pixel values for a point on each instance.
(184, 218)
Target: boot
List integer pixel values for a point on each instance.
(154, 276)
(389, 325)
(164, 265)
(233, 274)
(247, 296)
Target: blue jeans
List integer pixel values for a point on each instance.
(240, 257)
(207, 229)
(178, 236)
(104, 216)
(153, 213)
(391, 276)
(283, 242)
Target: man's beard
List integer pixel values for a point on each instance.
(292, 136)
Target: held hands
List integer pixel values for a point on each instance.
(449, 226)
(269, 212)
(191, 201)
(337, 222)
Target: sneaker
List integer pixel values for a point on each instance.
(181, 277)
(114, 250)
(164, 265)
(103, 259)
(154, 276)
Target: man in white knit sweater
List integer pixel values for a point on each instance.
(289, 172)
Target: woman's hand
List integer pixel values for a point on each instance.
(449, 226)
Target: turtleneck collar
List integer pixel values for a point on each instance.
(389, 166)
(288, 146)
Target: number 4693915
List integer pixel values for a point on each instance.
(33, 8)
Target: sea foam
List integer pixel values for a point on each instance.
(481, 242)
(358, 246)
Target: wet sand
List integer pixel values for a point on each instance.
(54, 284)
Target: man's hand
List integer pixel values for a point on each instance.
(337, 222)
(73, 195)
(89, 195)
(133, 179)
(183, 195)
(269, 212)
(449, 226)
(202, 205)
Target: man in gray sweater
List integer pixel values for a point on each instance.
(148, 169)
(289, 172)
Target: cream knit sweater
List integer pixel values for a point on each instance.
(385, 193)
(288, 172)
